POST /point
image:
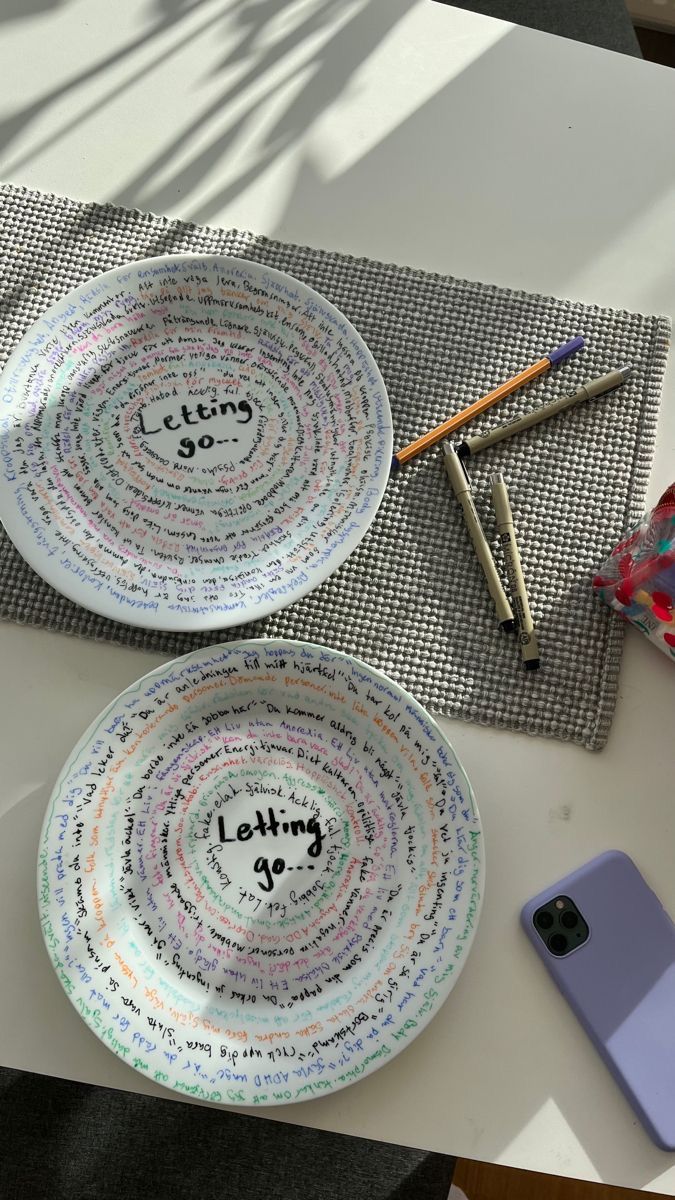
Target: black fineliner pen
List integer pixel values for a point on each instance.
(462, 489)
(507, 536)
(596, 387)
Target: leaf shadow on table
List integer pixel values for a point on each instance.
(504, 90)
(170, 15)
(269, 48)
(14, 10)
(272, 62)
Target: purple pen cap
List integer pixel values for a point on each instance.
(562, 352)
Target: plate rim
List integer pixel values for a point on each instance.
(445, 988)
(176, 622)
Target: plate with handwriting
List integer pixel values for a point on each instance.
(260, 872)
(191, 443)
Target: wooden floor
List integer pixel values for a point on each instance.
(656, 46)
(482, 1182)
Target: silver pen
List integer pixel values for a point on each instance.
(507, 536)
(462, 489)
(596, 387)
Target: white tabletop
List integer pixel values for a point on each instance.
(424, 135)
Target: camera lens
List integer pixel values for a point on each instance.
(557, 943)
(569, 919)
(544, 919)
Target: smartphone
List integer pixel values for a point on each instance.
(609, 945)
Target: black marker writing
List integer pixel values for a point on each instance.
(204, 412)
(272, 826)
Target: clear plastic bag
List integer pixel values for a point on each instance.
(638, 578)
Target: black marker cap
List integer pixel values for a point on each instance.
(508, 625)
(463, 451)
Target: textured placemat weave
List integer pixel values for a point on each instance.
(411, 599)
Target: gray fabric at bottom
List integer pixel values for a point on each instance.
(69, 1141)
(603, 23)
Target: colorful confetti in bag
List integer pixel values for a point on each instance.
(638, 579)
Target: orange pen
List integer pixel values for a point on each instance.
(467, 414)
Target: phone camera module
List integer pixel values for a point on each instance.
(569, 919)
(561, 926)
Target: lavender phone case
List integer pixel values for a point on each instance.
(621, 982)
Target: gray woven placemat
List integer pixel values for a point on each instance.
(411, 599)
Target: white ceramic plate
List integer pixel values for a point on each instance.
(260, 872)
(190, 443)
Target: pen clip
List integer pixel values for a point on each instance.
(450, 448)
